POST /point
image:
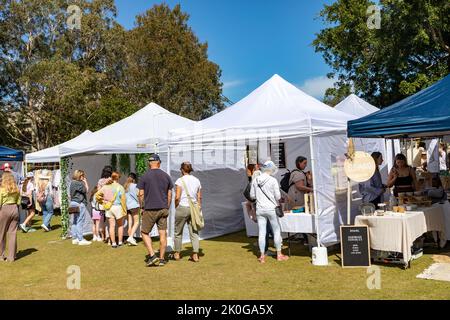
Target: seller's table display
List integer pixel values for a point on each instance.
(397, 231)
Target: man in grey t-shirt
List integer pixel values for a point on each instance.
(155, 196)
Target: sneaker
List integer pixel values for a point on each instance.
(75, 241)
(120, 244)
(114, 246)
(31, 230)
(131, 241)
(84, 243)
(94, 238)
(43, 226)
(23, 227)
(153, 261)
(162, 262)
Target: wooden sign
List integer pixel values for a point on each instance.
(361, 167)
(355, 248)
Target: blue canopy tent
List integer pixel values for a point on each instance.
(424, 114)
(8, 154)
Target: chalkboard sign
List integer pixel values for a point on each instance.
(355, 249)
(278, 154)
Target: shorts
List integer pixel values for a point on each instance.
(152, 217)
(115, 212)
(96, 215)
(133, 211)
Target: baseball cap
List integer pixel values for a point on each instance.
(154, 157)
(6, 166)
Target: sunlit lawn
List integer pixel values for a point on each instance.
(228, 270)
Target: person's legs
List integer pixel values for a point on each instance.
(130, 223)
(262, 222)
(120, 229)
(273, 219)
(268, 233)
(135, 222)
(12, 235)
(112, 230)
(180, 221)
(29, 218)
(48, 211)
(80, 222)
(4, 224)
(162, 243)
(75, 217)
(195, 240)
(147, 226)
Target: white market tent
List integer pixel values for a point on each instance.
(276, 112)
(356, 106)
(144, 131)
(52, 154)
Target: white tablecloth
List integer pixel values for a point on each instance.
(397, 233)
(290, 223)
(298, 223)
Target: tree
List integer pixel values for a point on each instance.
(49, 74)
(168, 65)
(409, 52)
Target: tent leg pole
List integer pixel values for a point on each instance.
(349, 202)
(313, 169)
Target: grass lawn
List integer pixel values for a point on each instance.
(228, 270)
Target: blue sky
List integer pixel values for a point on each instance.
(253, 39)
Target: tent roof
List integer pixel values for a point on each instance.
(8, 154)
(276, 105)
(356, 106)
(52, 154)
(134, 134)
(424, 114)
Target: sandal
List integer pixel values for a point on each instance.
(174, 256)
(194, 260)
(282, 257)
(262, 259)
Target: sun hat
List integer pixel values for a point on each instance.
(269, 167)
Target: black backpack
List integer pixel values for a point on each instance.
(284, 183)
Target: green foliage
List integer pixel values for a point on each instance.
(64, 166)
(124, 163)
(409, 52)
(141, 164)
(56, 82)
(114, 161)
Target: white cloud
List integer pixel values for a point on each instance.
(232, 84)
(317, 86)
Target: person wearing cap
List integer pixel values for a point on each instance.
(9, 216)
(28, 202)
(188, 189)
(155, 196)
(266, 190)
(6, 167)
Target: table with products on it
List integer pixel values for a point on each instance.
(396, 232)
(291, 223)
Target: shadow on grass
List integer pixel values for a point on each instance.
(23, 253)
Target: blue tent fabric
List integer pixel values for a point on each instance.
(424, 114)
(8, 154)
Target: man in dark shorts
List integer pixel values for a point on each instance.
(155, 196)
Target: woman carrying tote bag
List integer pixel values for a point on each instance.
(188, 201)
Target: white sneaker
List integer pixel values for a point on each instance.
(84, 243)
(43, 226)
(75, 241)
(94, 239)
(131, 241)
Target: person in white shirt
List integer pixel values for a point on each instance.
(266, 190)
(442, 157)
(188, 188)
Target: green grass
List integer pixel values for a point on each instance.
(228, 270)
